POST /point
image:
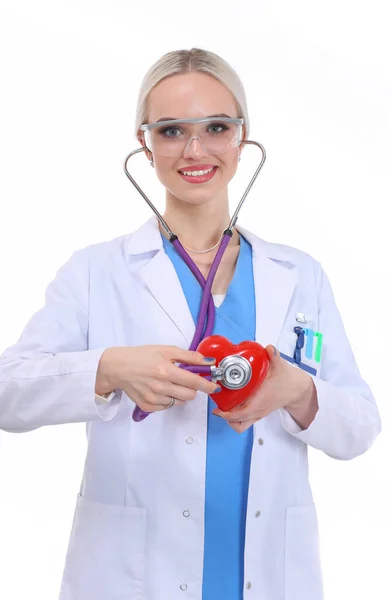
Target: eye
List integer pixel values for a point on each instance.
(217, 128)
(170, 132)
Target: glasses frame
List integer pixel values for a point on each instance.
(149, 126)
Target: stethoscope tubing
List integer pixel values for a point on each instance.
(206, 316)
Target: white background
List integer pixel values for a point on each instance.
(317, 76)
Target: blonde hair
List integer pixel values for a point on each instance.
(189, 61)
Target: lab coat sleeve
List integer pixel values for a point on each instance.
(48, 377)
(347, 421)
(107, 409)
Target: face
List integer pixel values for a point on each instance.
(191, 96)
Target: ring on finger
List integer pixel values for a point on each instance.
(171, 403)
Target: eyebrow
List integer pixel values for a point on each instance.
(208, 117)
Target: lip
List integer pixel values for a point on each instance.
(197, 167)
(199, 178)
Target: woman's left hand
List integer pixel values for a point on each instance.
(285, 386)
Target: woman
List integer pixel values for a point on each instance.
(185, 504)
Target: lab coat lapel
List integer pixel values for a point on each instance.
(274, 282)
(160, 277)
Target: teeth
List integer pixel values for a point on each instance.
(197, 173)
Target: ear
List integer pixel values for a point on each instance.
(141, 139)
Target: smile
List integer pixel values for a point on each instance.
(197, 175)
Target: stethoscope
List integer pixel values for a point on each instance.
(232, 370)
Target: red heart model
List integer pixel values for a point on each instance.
(219, 347)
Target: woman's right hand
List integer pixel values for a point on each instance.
(149, 377)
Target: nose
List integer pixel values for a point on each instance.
(194, 148)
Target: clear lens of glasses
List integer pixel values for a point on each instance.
(174, 138)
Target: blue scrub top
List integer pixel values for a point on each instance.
(228, 452)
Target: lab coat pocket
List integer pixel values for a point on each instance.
(105, 559)
(303, 576)
(287, 343)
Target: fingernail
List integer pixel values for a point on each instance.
(275, 350)
(209, 359)
(218, 389)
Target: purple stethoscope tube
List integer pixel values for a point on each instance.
(206, 316)
(207, 309)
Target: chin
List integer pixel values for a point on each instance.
(196, 197)
(195, 193)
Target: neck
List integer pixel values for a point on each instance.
(198, 227)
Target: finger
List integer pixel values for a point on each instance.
(162, 403)
(242, 414)
(237, 416)
(147, 407)
(191, 357)
(271, 350)
(160, 393)
(242, 419)
(154, 398)
(243, 425)
(191, 380)
(251, 417)
(182, 393)
(168, 402)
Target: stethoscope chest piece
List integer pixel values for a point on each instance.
(239, 369)
(234, 372)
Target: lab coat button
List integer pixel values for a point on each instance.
(260, 441)
(258, 514)
(189, 440)
(186, 513)
(249, 585)
(183, 587)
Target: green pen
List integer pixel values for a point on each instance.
(319, 343)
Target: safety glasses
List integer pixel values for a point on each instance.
(174, 138)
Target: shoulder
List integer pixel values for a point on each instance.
(302, 260)
(101, 253)
(143, 240)
(286, 255)
(93, 262)
(306, 270)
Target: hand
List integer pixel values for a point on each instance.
(149, 377)
(285, 386)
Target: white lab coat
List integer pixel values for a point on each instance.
(132, 536)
